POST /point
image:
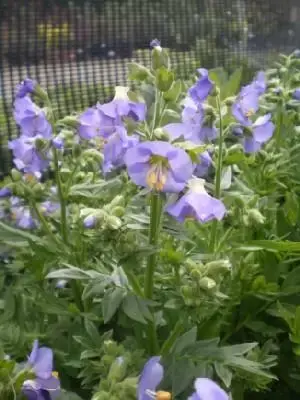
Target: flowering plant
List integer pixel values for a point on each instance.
(149, 228)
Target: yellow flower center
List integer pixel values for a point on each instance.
(55, 374)
(157, 174)
(163, 395)
(29, 178)
(250, 112)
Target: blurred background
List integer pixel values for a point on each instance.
(79, 49)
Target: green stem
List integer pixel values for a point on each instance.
(279, 125)
(156, 106)
(218, 173)
(178, 328)
(63, 205)
(155, 217)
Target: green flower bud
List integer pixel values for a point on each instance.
(16, 175)
(190, 264)
(283, 70)
(229, 101)
(80, 176)
(218, 266)
(117, 201)
(70, 121)
(207, 283)
(65, 174)
(38, 189)
(113, 222)
(195, 273)
(118, 211)
(117, 370)
(187, 291)
(160, 134)
(255, 216)
(160, 58)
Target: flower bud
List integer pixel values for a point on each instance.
(187, 291)
(16, 175)
(229, 101)
(160, 134)
(76, 150)
(207, 283)
(113, 222)
(117, 370)
(118, 211)
(70, 121)
(195, 273)
(255, 216)
(117, 201)
(218, 266)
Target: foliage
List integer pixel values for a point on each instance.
(215, 299)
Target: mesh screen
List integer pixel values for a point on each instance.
(79, 50)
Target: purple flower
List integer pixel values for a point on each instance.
(22, 217)
(296, 94)
(263, 128)
(197, 204)
(31, 118)
(250, 145)
(89, 222)
(259, 82)
(45, 385)
(150, 378)
(58, 142)
(202, 87)
(92, 123)
(49, 207)
(25, 87)
(205, 162)
(206, 389)
(5, 192)
(116, 147)
(159, 166)
(26, 157)
(246, 105)
(155, 44)
(121, 106)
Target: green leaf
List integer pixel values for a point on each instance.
(238, 349)
(185, 340)
(174, 92)
(111, 302)
(9, 234)
(136, 308)
(291, 208)
(164, 79)
(292, 281)
(270, 245)
(138, 72)
(223, 373)
(68, 396)
(182, 375)
(231, 87)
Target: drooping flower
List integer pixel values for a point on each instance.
(159, 166)
(116, 147)
(296, 94)
(26, 157)
(206, 389)
(202, 87)
(205, 162)
(45, 385)
(150, 378)
(121, 106)
(31, 118)
(5, 192)
(197, 204)
(25, 87)
(250, 145)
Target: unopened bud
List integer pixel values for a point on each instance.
(113, 222)
(207, 283)
(160, 134)
(255, 216)
(16, 175)
(69, 121)
(218, 266)
(118, 211)
(117, 370)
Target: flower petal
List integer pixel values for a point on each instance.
(207, 389)
(150, 378)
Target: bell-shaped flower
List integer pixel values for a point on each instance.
(159, 166)
(94, 123)
(197, 204)
(150, 378)
(25, 87)
(204, 164)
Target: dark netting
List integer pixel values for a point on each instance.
(79, 49)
